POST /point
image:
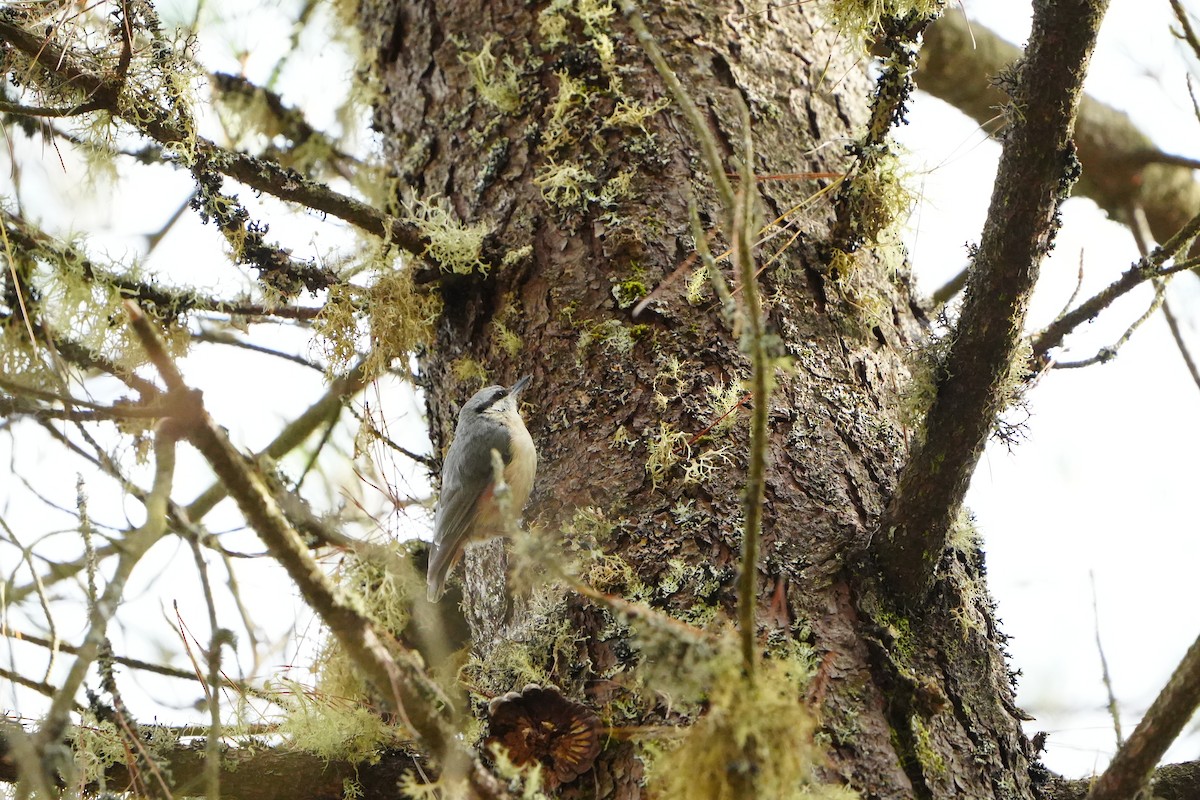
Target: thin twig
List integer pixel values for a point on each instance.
(1113, 709)
(1106, 354)
(1146, 269)
(756, 347)
(1177, 334)
(135, 545)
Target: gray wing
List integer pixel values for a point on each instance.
(466, 472)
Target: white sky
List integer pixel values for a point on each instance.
(1103, 484)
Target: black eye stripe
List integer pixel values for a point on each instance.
(495, 397)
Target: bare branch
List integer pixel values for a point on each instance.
(1177, 334)
(1133, 764)
(1146, 269)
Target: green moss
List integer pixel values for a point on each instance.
(628, 292)
(615, 337)
(469, 372)
(925, 749)
(504, 338)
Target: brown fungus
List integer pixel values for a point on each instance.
(539, 725)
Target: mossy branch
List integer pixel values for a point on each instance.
(1036, 171)
(260, 174)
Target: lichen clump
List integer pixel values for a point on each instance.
(755, 739)
(452, 246)
(865, 17)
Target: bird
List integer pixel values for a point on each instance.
(467, 507)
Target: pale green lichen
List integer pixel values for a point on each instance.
(615, 190)
(753, 739)
(564, 186)
(498, 84)
(724, 400)
(705, 465)
(665, 448)
(516, 256)
(621, 438)
(504, 338)
(864, 18)
(596, 17)
(452, 245)
(395, 315)
(633, 114)
(698, 287)
(668, 382)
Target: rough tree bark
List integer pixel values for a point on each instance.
(913, 707)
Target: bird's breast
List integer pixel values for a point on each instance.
(520, 471)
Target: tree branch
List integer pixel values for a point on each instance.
(250, 773)
(1036, 170)
(261, 174)
(1133, 764)
(1120, 171)
(393, 669)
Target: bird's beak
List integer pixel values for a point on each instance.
(520, 386)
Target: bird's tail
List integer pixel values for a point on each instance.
(441, 559)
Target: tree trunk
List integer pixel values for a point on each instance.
(514, 113)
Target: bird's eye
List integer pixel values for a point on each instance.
(495, 397)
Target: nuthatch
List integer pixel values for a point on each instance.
(468, 508)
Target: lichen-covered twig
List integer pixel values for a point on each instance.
(134, 545)
(394, 670)
(260, 174)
